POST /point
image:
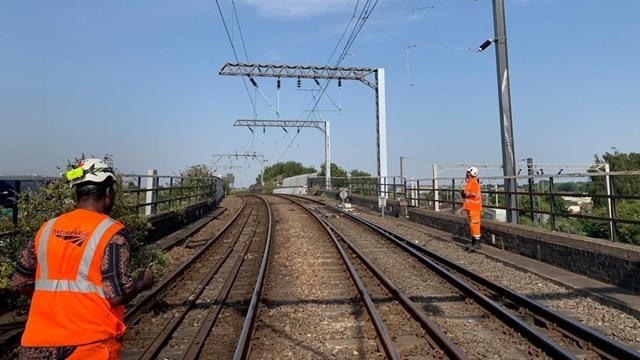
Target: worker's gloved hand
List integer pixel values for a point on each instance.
(147, 279)
(463, 194)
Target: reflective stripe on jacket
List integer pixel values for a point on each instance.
(68, 305)
(473, 199)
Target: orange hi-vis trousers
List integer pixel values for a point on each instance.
(104, 350)
(473, 217)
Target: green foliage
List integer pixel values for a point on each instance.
(569, 226)
(625, 209)
(358, 173)
(336, 171)
(197, 171)
(596, 229)
(573, 187)
(226, 183)
(36, 207)
(315, 190)
(284, 170)
(56, 198)
(624, 185)
(6, 270)
(541, 203)
(268, 187)
(196, 183)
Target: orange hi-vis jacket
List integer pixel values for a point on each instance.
(473, 199)
(68, 307)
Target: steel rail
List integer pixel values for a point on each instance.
(444, 343)
(163, 337)
(197, 343)
(134, 313)
(598, 342)
(381, 330)
(547, 345)
(244, 342)
(8, 332)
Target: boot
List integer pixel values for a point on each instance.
(475, 245)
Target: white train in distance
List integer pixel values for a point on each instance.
(296, 185)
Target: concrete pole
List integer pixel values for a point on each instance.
(530, 173)
(508, 153)
(436, 193)
(607, 181)
(262, 172)
(327, 155)
(151, 196)
(381, 131)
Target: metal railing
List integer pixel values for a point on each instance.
(12, 186)
(153, 193)
(543, 200)
(157, 193)
(390, 187)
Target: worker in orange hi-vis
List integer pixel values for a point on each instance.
(78, 270)
(473, 206)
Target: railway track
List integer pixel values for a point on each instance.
(348, 311)
(11, 332)
(548, 332)
(334, 285)
(211, 295)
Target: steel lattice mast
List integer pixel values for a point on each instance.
(330, 72)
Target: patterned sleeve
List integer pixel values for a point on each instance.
(23, 279)
(115, 266)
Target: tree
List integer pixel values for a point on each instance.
(336, 171)
(358, 173)
(573, 187)
(621, 185)
(284, 170)
(195, 182)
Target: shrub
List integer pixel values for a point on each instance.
(54, 199)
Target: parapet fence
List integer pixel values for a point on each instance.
(610, 201)
(157, 193)
(152, 193)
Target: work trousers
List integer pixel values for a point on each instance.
(473, 219)
(105, 350)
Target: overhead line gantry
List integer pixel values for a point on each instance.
(330, 72)
(258, 157)
(324, 126)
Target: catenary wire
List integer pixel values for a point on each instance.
(235, 54)
(366, 11)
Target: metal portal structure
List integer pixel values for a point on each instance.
(329, 72)
(259, 157)
(324, 126)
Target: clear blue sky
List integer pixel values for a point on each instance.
(139, 80)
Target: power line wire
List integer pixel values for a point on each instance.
(235, 54)
(246, 55)
(366, 11)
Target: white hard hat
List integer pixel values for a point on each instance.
(473, 171)
(90, 170)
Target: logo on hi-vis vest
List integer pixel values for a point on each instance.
(76, 237)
